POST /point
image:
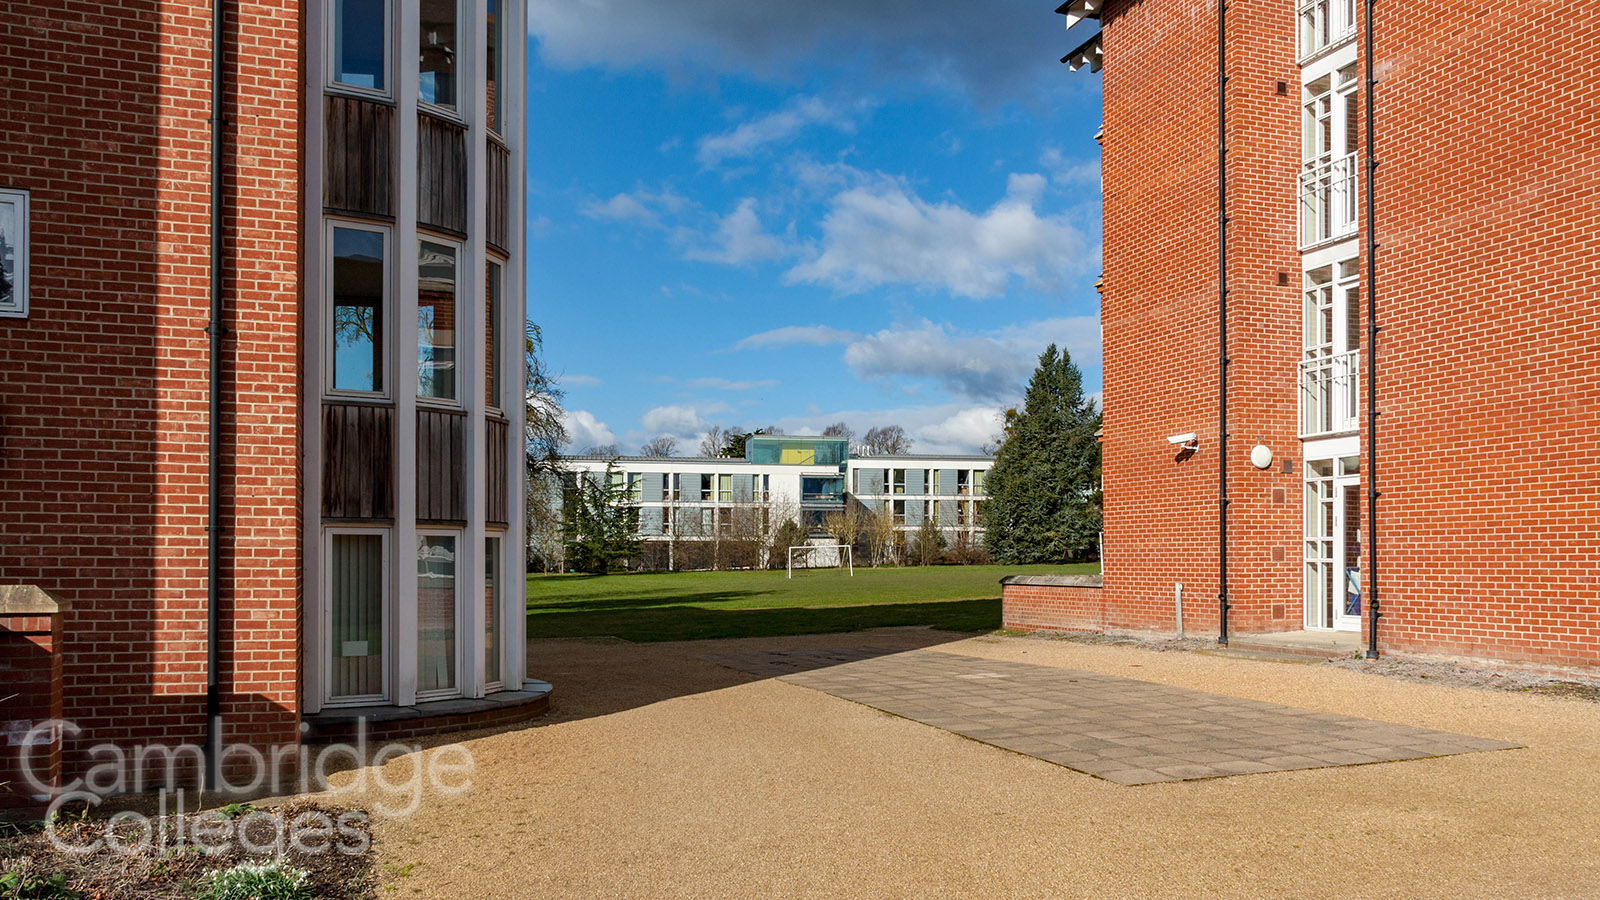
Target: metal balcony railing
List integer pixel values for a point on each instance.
(1330, 393)
(1328, 200)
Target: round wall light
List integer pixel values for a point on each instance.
(1261, 456)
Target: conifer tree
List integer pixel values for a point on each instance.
(1043, 501)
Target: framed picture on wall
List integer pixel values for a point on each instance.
(13, 253)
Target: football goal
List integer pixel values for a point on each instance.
(841, 557)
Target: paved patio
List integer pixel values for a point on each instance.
(1120, 729)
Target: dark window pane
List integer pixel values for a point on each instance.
(437, 59)
(491, 342)
(358, 268)
(497, 121)
(359, 43)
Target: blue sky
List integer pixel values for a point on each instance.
(749, 213)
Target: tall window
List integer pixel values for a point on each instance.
(1328, 173)
(13, 253)
(438, 56)
(897, 479)
(494, 66)
(1331, 345)
(724, 488)
(491, 610)
(436, 321)
(437, 666)
(977, 480)
(933, 481)
(1324, 23)
(491, 334)
(359, 279)
(355, 592)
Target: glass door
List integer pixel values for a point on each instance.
(1333, 544)
(1347, 516)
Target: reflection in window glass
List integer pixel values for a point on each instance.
(436, 79)
(497, 122)
(436, 321)
(360, 38)
(436, 612)
(358, 268)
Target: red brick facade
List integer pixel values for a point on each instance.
(1488, 206)
(103, 480)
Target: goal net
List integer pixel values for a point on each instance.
(821, 556)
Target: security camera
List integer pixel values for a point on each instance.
(1181, 439)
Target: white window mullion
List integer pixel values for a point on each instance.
(404, 573)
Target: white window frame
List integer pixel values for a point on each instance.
(325, 655)
(464, 29)
(18, 307)
(462, 619)
(498, 131)
(328, 348)
(330, 59)
(1340, 15)
(466, 310)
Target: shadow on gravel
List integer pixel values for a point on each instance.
(686, 623)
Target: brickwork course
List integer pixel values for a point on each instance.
(1488, 198)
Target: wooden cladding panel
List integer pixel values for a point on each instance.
(357, 461)
(358, 174)
(441, 174)
(499, 201)
(441, 466)
(497, 473)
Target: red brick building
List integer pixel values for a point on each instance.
(369, 193)
(1481, 276)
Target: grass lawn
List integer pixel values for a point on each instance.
(682, 606)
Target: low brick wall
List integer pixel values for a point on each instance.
(30, 695)
(1052, 603)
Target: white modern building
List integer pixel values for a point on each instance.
(707, 500)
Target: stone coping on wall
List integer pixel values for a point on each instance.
(28, 600)
(1085, 581)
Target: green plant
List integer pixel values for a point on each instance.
(235, 810)
(36, 887)
(257, 881)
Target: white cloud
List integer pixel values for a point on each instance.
(939, 428)
(990, 366)
(636, 208)
(997, 52)
(877, 234)
(814, 335)
(580, 380)
(1070, 172)
(772, 128)
(584, 430)
(723, 384)
(738, 239)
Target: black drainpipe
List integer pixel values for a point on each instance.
(1372, 344)
(213, 745)
(1222, 321)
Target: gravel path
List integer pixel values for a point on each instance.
(660, 774)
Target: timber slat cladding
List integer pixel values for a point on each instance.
(441, 466)
(499, 176)
(441, 174)
(359, 171)
(495, 459)
(357, 461)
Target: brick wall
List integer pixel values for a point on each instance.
(103, 460)
(30, 695)
(1048, 603)
(1488, 207)
(1159, 312)
(1489, 297)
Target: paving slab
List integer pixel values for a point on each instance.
(1120, 729)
